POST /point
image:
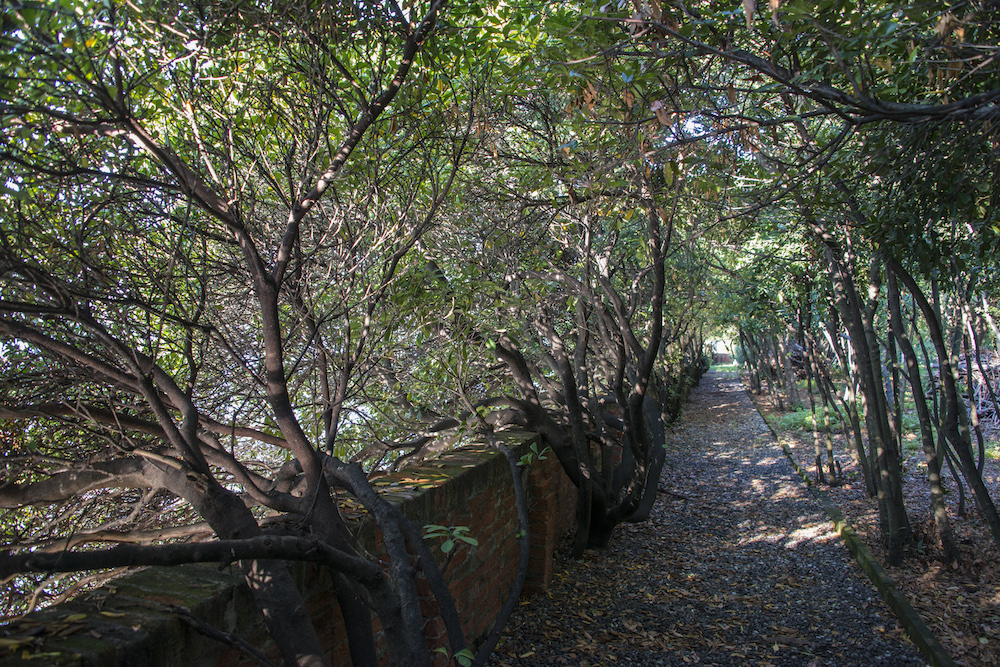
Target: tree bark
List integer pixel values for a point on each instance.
(893, 513)
(953, 404)
(950, 553)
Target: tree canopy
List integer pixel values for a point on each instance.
(251, 253)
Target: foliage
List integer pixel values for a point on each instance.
(451, 535)
(245, 248)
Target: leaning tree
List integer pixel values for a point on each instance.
(206, 210)
(875, 123)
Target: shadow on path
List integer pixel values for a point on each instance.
(738, 565)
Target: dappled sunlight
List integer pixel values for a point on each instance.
(784, 492)
(814, 533)
(727, 454)
(770, 460)
(724, 406)
(763, 532)
(738, 565)
(767, 536)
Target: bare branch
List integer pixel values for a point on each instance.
(267, 547)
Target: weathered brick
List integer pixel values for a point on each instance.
(456, 494)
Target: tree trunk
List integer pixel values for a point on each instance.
(749, 358)
(950, 553)
(953, 404)
(973, 408)
(772, 363)
(937, 408)
(892, 512)
(812, 412)
(791, 382)
(270, 583)
(889, 459)
(653, 409)
(850, 403)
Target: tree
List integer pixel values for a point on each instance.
(247, 248)
(582, 256)
(888, 107)
(207, 209)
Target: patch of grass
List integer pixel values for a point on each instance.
(911, 441)
(993, 451)
(727, 368)
(801, 420)
(911, 433)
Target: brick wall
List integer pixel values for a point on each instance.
(126, 622)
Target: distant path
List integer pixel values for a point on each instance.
(738, 566)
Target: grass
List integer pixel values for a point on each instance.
(727, 368)
(911, 442)
(801, 420)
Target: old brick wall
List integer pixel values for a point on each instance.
(129, 622)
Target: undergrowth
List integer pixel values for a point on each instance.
(802, 420)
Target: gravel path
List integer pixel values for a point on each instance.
(738, 566)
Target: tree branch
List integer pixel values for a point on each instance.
(267, 547)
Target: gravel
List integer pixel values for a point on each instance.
(737, 565)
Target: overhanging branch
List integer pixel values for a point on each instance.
(224, 552)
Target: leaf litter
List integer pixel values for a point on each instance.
(736, 566)
(960, 603)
